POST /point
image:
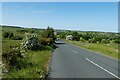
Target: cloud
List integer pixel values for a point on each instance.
(42, 12)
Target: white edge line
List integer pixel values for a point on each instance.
(102, 68)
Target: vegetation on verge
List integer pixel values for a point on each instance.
(103, 42)
(26, 56)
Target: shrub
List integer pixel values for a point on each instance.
(17, 38)
(81, 39)
(13, 59)
(8, 35)
(5, 34)
(49, 41)
(43, 41)
(105, 41)
(116, 41)
(31, 42)
(93, 40)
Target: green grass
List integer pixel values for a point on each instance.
(39, 59)
(7, 45)
(109, 50)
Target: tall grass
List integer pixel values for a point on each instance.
(37, 69)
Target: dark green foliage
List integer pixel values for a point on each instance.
(5, 34)
(13, 59)
(62, 35)
(86, 36)
(76, 36)
(8, 35)
(116, 41)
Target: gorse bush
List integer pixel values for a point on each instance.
(46, 41)
(48, 37)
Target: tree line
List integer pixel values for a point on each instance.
(92, 37)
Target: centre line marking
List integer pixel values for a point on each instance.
(74, 51)
(102, 68)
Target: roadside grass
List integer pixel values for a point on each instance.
(7, 45)
(39, 63)
(109, 50)
(37, 60)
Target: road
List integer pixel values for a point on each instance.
(69, 61)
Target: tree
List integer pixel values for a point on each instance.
(48, 36)
(76, 36)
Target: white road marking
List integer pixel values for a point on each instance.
(102, 68)
(74, 51)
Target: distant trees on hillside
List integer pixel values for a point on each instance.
(92, 37)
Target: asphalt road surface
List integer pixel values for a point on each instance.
(69, 61)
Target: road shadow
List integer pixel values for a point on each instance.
(59, 43)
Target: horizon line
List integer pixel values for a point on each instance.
(60, 29)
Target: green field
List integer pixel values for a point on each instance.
(107, 49)
(8, 45)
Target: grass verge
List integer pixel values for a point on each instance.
(109, 50)
(38, 65)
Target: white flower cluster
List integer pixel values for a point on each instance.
(30, 41)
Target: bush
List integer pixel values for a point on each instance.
(13, 59)
(31, 42)
(93, 40)
(5, 34)
(116, 41)
(43, 41)
(17, 38)
(49, 41)
(8, 35)
(105, 41)
(81, 39)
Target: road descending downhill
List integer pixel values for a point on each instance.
(69, 61)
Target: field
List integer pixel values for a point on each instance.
(36, 62)
(107, 49)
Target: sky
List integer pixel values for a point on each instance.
(84, 16)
